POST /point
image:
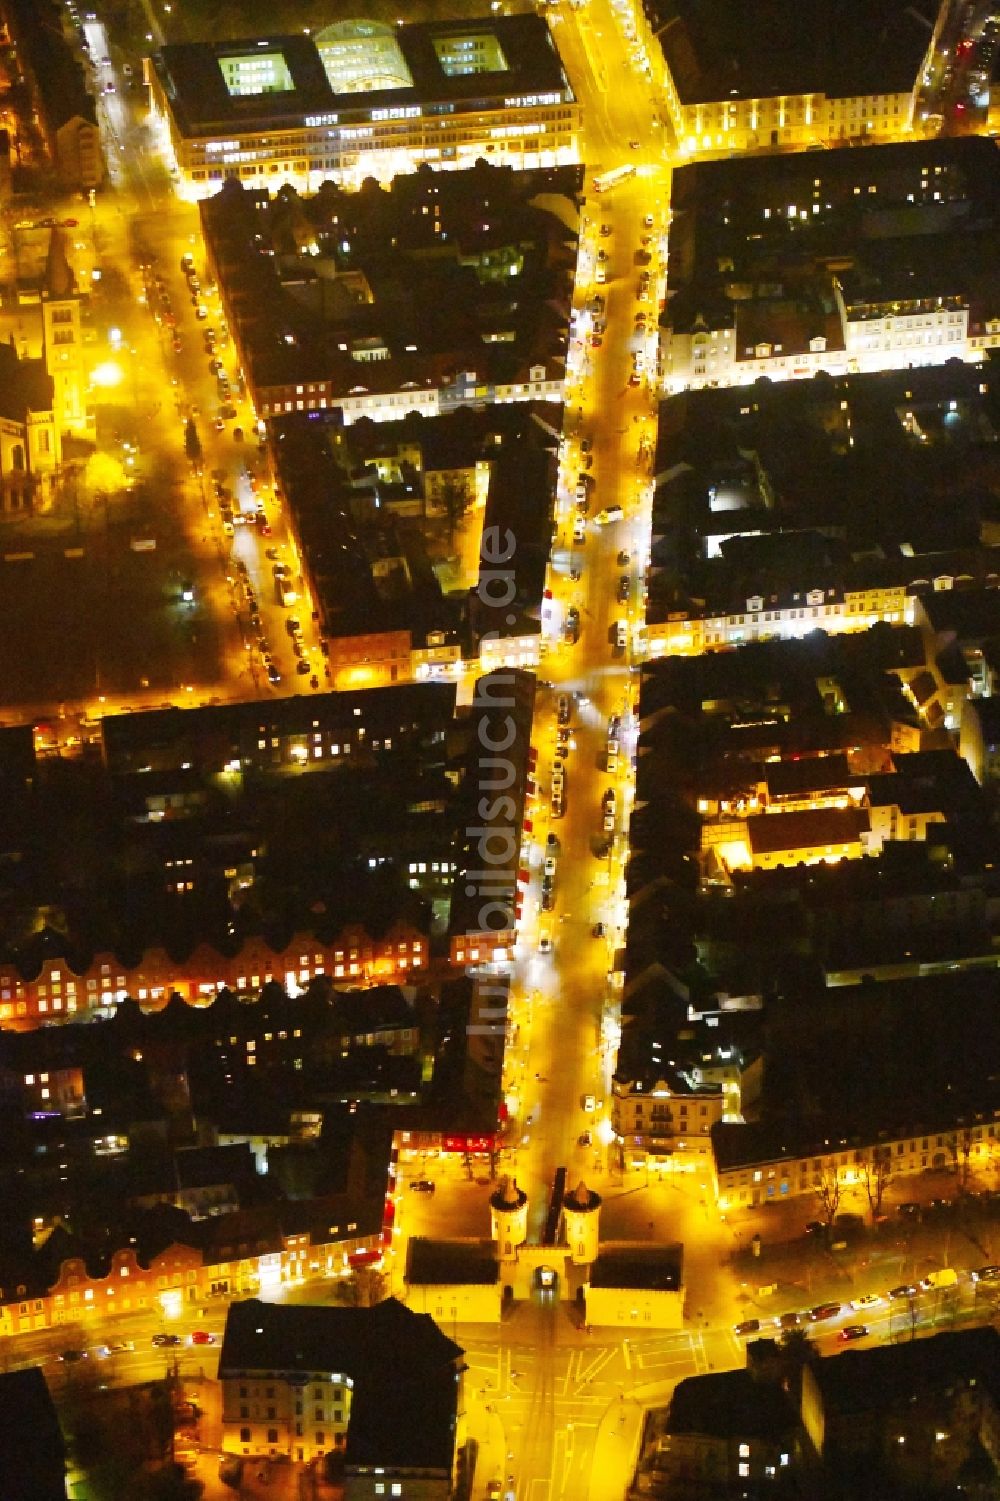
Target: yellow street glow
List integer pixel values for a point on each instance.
(108, 373)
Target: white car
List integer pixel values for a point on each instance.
(550, 865)
(621, 634)
(869, 1300)
(589, 1103)
(545, 941)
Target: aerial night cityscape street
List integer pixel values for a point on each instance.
(499, 780)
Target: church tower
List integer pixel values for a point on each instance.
(62, 335)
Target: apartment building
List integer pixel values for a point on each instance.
(362, 99)
(828, 74)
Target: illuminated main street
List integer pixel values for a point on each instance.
(144, 389)
(554, 1407)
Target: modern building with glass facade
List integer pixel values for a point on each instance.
(362, 99)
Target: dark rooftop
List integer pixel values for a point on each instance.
(860, 1380)
(838, 47)
(655, 1268)
(437, 1262)
(191, 75)
(403, 1367)
(807, 774)
(731, 1404)
(32, 1448)
(809, 828)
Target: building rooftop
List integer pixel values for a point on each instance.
(25, 386)
(442, 280)
(731, 1404)
(836, 47)
(228, 87)
(808, 828)
(654, 1268)
(404, 1371)
(860, 1381)
(451, 1262)
(807, 774)
(32, 1448)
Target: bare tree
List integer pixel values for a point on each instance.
(366, 1286)
(960, 1148)
(875, 1176)
(827, 1188)
(454, 497)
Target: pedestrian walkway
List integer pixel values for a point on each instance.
(486, 1435)
(619, 1436)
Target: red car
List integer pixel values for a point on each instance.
(264, 528)
(202, 1337)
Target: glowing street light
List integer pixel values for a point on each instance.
(107, 374)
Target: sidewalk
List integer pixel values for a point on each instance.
(619, 1435)
(485, 1430)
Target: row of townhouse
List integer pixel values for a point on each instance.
(374, 397)
(755, 1164)
(381, 659)
(60, 992)
(834, 610)
(180, 1276)
(843, 607)
(862, 338)
(789, 120)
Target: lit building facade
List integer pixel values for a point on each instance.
(362, 99)
(794, 79)
(752, 1165)
(59, 992)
